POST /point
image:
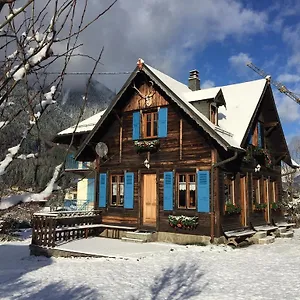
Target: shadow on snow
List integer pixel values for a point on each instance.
(15, 262)
(176, 282)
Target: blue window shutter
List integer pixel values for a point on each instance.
(203, 191)
(90, 189)
(102, 189)
(168, 190)
(129, 190)
(259, 133)
(162, 122)
(71, 163)
(136, 120)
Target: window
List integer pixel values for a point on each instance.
(117, 190)
(257, 136)
(229, 189)
(213, 114)
(150, 124)
(186, 193)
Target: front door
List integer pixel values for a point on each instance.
(149, 199)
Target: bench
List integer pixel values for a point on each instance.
(234, 231)
(258, 223)
(281, 221)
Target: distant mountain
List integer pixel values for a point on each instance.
(98, 98)
(35, 173)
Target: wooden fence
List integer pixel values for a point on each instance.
(51, 229)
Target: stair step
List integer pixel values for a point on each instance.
(266, 240)
(281, 229)
(287, 234)
(125, 239)
(144, 236)
(260, 234)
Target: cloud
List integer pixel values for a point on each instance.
(238, 62)
(166, 34)
(289, 78)
(207, 84)
(289, 111)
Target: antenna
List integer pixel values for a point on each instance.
(101, 149)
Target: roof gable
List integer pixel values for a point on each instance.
(241, 101)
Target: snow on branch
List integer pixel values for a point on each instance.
(27, 156)
(11, 154)
(30, 197)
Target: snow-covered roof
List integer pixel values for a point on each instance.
(86, 125)
(204, 94)
(241, 101)
(295, 164)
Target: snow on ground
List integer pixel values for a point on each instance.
(168, 272)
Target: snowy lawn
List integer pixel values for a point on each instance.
(179, 272)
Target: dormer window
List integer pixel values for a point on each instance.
(213, 114)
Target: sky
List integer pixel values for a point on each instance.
(216, 37)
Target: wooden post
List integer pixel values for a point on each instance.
(121, 140)
(268, 199)
(180, 139)
(96, 187)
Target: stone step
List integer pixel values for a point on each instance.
(287, 234)
(144, 236)
(281, 230)
(260, 234)
(125, 239)
(266, 240)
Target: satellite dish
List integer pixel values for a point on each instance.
(101, 149)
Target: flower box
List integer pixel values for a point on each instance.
(183, 222)
(231, 209)
(259, 206)
(146, 145)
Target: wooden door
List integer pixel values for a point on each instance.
(149, 199)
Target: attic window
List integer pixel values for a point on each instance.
(214, 114)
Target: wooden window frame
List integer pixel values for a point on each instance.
(231, 183)
(118, 182)
(152, 113)
(187, 196)
(213, 114)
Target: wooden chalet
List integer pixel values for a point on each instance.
(182, 161)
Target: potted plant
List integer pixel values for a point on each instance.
(146, 145)
(259, 206)
(183, 222)
(275, 206)
(231, 208)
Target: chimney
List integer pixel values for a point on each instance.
(194, 81)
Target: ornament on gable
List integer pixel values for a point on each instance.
(140, 63)
(148, 97)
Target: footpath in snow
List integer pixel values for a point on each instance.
(167, 272)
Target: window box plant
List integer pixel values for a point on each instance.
(259, 206)
(183, 222)
(231, 209)
(275, 206)
(146, 145)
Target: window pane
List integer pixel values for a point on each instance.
(182, 197)
(192, 178)
(114, 179)
(155, 128)
(122, 193)
(114, 194)
(192, 199)
(148, 129)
